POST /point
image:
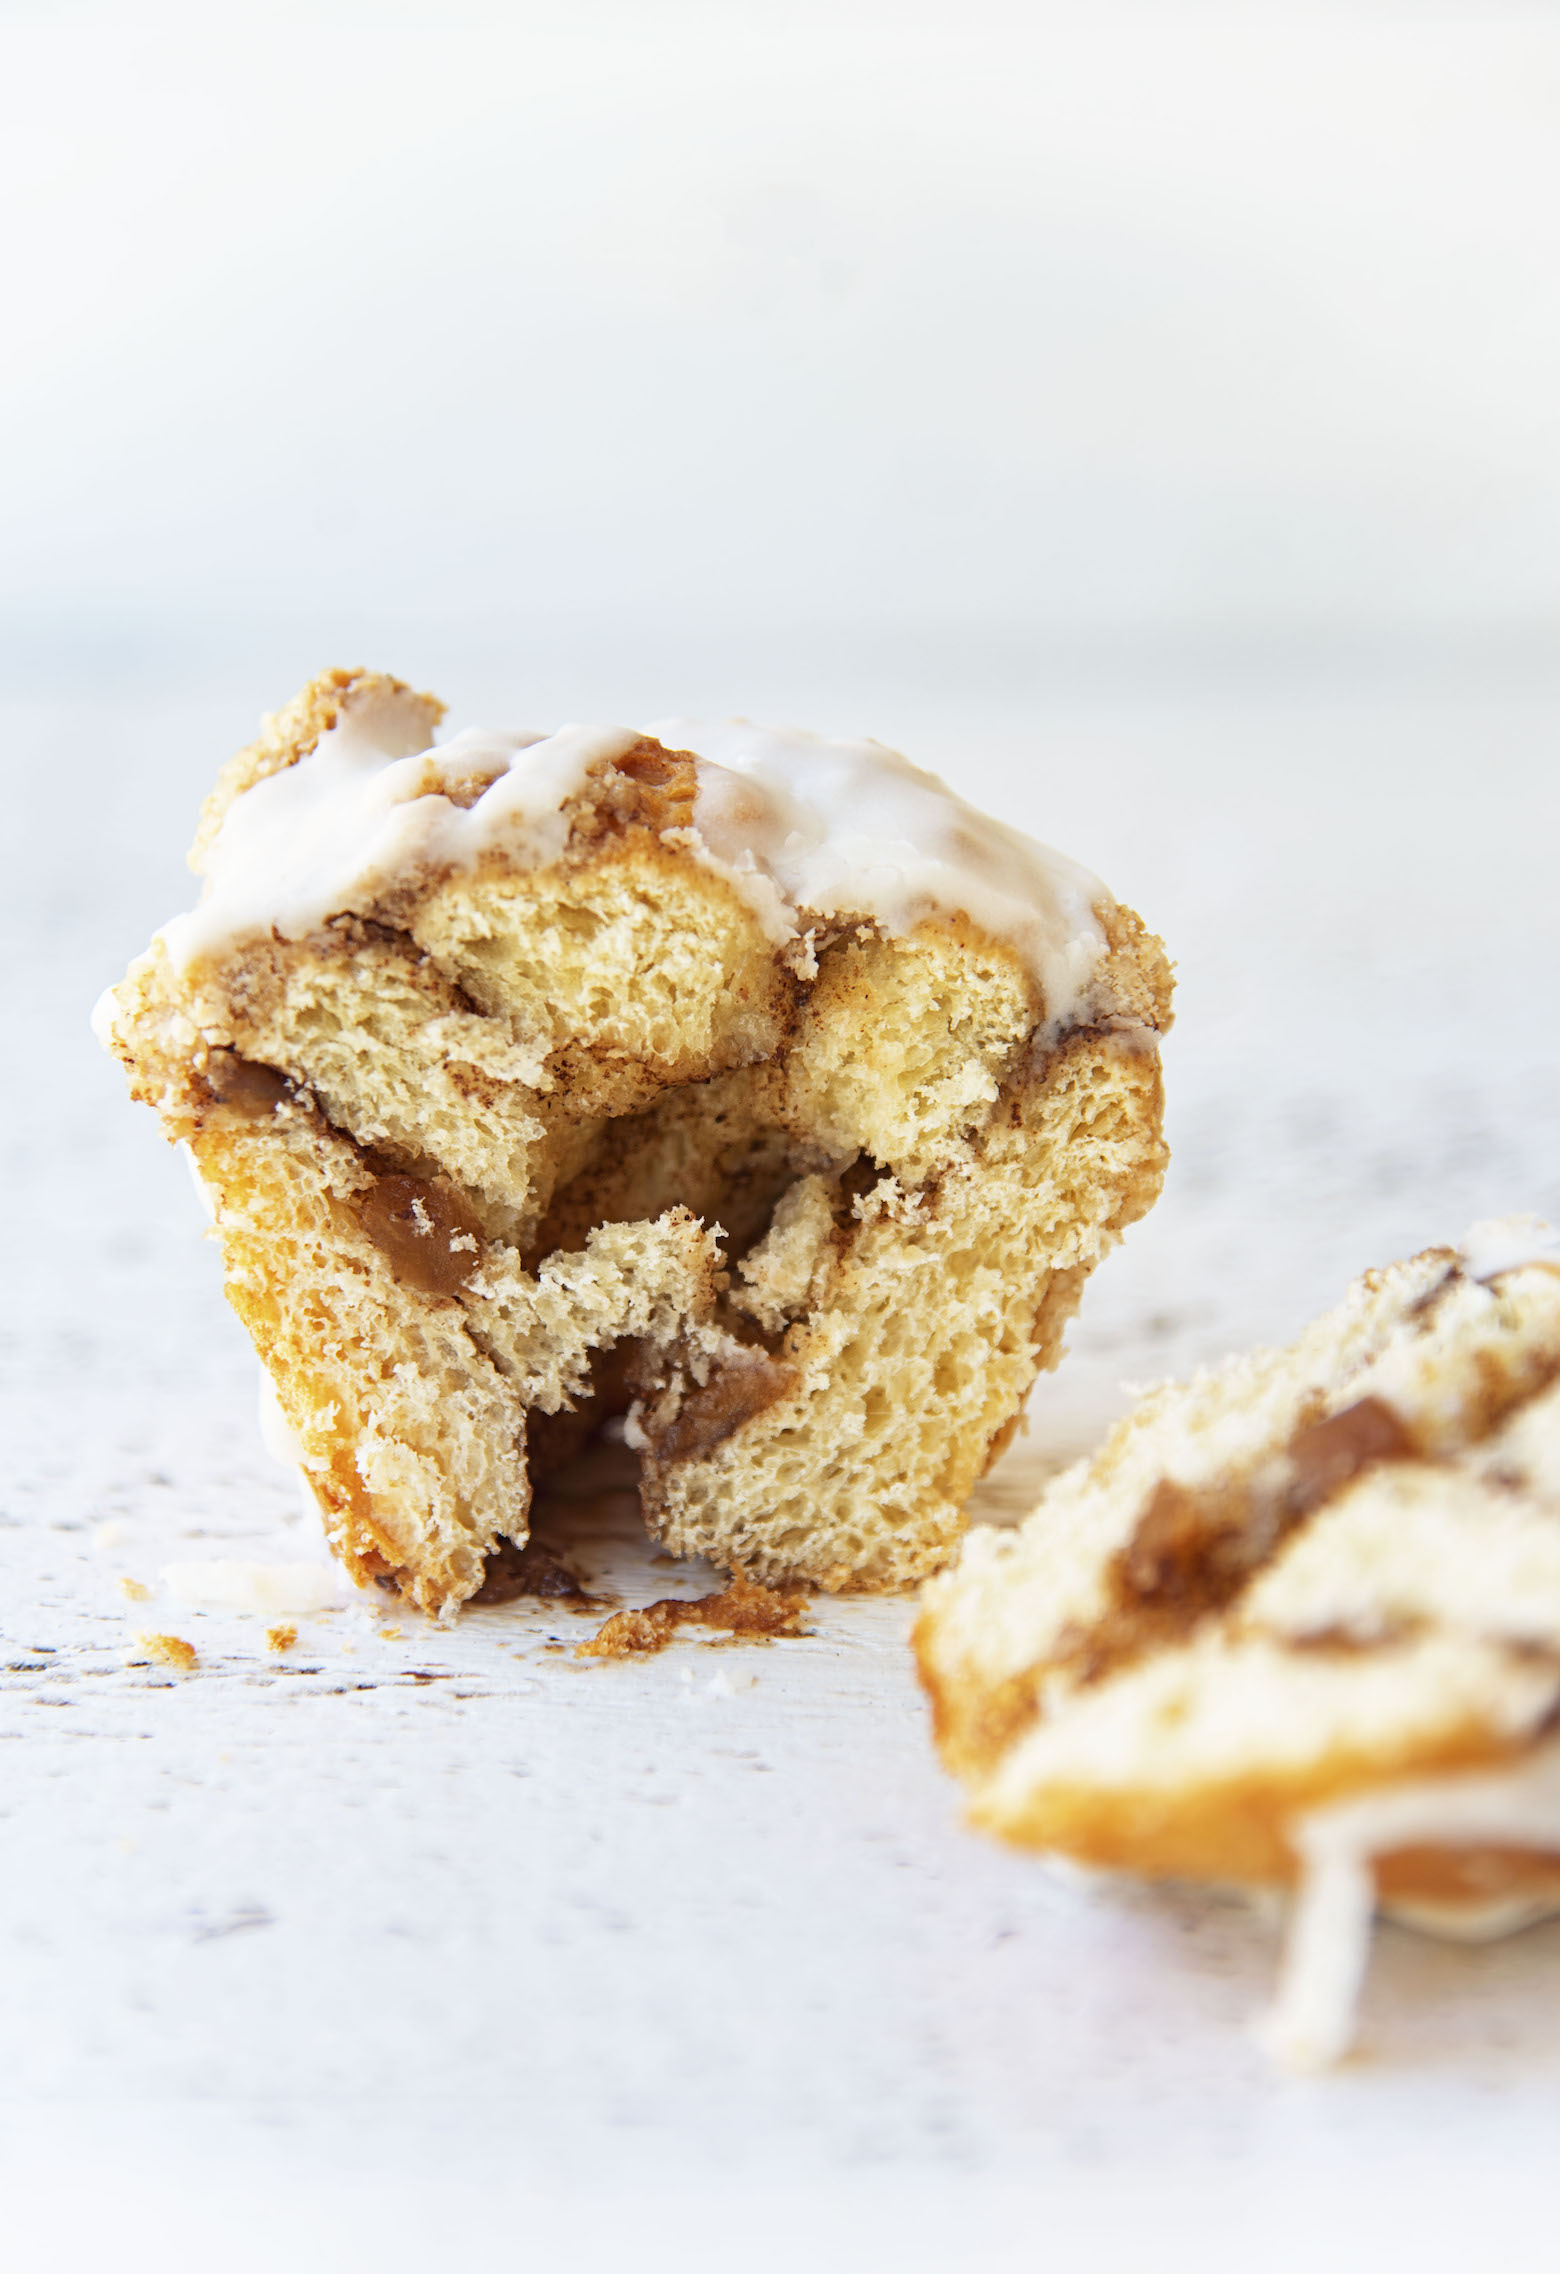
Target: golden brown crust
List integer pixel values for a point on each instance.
(1235, 1830)
(1138, 977)
(331, 1321)
(1470, 1876)
(169, 1650)
(973, 1723)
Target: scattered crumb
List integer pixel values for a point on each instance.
(744, 1608)
(169, 1650)
(108, 1535)
(280, 1638)
(388, 1634)
(533, 1570)
(136, 1592)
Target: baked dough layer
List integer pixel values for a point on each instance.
(572, 1122)
(1311, 1579)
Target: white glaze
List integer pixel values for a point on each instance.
(1323, 1970)
(852, 828)
(266, 1589)
(335, 830)
(1312, 2021)
(104, 1011)
(1507, 1243)
(803, 827)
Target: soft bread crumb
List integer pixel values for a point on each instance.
(280, 1638)
(134, 1589)
(169, 1650)
(744, 1608)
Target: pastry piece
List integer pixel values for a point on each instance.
(1299, 1619)
(748, 1085)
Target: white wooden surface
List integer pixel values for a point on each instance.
(437, 1945)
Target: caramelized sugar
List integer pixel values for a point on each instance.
(425, 1229)
(532, 1570)
(1196, 1547)
(736, 1393)
(1325, 1456)
(743, 1608)
(648, 764)
(244, 1085)
(1191, 1549)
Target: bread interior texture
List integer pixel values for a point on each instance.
(517, 1149)
(1306, 1578)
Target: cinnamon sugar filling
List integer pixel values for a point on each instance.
(1196, 1549)
(426, 1230)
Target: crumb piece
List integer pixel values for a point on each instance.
(109, 1534)
(136, 1592)
(388, 1634)
(743, 1608)
(280, 1638)
(169, 1650)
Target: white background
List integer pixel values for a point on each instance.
(1035, 326)
(1147, 417)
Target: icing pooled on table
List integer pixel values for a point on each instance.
(1508, 1243)
(1329, 1939)
(803, 827)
